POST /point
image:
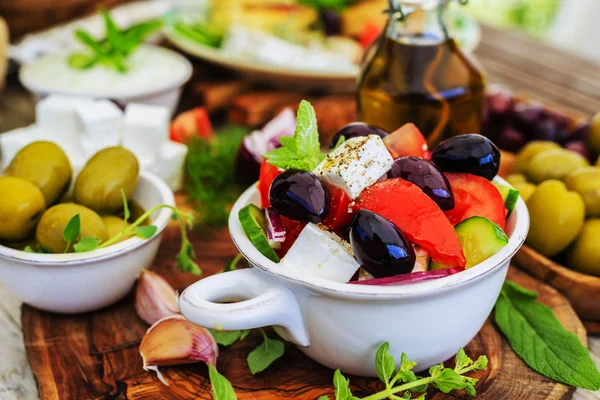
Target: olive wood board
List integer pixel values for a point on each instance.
(95, 355)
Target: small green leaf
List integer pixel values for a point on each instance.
(342, 386)
(512, 287)
(462, 360)
(384, 363)
(264, 355)
(72, 229)
(405, 364)
(323, 398)
(86, 244)
(126, 213)
(232, 264)
(341, 140)
(222, 389)
(189, 219)
(145, 232)
(448, 380)
(436, 369)
(81, 61)
(28, 249)
(185, 258)
(481, 363)
(225, 338)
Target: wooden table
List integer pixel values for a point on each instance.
(519, 62)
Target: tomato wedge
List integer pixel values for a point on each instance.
(292, 231)
(190, 124)
(338, 217)
(407, 141)
(417, 216)
(268, 173)
(475, 196)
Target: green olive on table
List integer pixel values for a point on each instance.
(593, 139)
(21, 206)
(114, 225)
(556, 215)
(584, 254)
(586, 182)
(525, 189)
(45, 165)
(514, 178)
(530, 150)
(554, 164)
(49, 233)
(100, 182)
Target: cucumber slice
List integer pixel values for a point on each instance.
(480, 239)
(254, 223)
(510, 197)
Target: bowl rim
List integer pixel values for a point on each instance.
(126, 95)
(116, 250)
(519, 219)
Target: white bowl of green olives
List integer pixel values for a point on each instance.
(76, 250)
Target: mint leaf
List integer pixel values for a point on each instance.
(540, 340)
(222, 389)
(323, 398)
(72, 228)
(384, 363)
(28, 249)
(462, 360)
(145, 232)
(225, 338)
(405, 364)
(86, 244)
(265, 354)
(302, 151)
(514, 288)
(342, 386)
(448, 380)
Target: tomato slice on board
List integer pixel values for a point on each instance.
(338, 217)
(417, 216)
(407, 141)
(190, 124)
(475, 196)
(267, 175)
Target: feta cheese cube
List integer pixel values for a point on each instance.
(169, 164)
(321, 253)
(146, 129)
(356, 164)
(101, 124)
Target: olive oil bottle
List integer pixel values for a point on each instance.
(415, 72)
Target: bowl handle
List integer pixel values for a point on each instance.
(265, 303)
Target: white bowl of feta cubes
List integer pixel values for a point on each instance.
(341, 325)
(156, 76)
(81, 282)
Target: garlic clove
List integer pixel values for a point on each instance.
(174, 341)
(155, 299)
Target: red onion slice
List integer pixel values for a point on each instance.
(275, 229)
(414, 277)
(267, 139)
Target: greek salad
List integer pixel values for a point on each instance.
(379, 208)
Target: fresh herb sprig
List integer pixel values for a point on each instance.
(113, 50)
(541, 341)
(185, 258)
(210, 175)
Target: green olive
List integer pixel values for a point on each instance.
(556, 217)
(584, 255)
(114, 226)
(45, 165)
(49, 233)
(525, 189)
(554, 164)
(532, 149)
(514, 178)
(100, 182)
(21, 206)
(593, 139)
(586, 182)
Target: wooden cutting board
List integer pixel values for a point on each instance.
(95, 355)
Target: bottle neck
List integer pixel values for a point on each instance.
(419, 25)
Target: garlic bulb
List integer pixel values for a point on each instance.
(173, 341)
(154, 298)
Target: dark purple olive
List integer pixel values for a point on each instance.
(527, 115)
(300, 195)
(500, 101)
(356, 129)
(379, 247)
(332, 22)
(470, 153)
(426, 176)
(549, 129)
(581, 132)
(511, 139)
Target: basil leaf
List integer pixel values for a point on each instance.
(225, 338)
(265, 354)
(222, 389)
(72, 229)
(145, 232)
(342, 386)
(513, 287)
(541, 341)
(384, 363)
(86, 244)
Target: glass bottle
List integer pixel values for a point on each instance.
(415, 72)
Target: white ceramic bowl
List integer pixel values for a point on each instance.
(81, 282)
(340, 325)
(156, 76)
